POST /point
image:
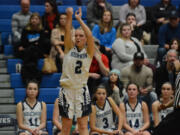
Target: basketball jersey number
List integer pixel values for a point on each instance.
(136, 125)
(78, 67)
(106, 124)
(33, 122)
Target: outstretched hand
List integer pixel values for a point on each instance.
(69, 11)
(78, 14)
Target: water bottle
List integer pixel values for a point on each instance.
(18, 68)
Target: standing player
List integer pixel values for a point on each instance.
(157, 107)
(74, 96)
(170, 124)
(31, 113)
(101, 118)
(135, 113)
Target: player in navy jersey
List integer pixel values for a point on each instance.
(74, 98)
(135, 112)
(31, 113)
(101, 118)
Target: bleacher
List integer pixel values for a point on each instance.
(49, 87)
(7, 8)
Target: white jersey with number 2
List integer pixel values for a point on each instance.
(76, 66)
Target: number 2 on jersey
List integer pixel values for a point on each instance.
(78, 67)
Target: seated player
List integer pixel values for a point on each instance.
(101, 118)
(31, 113)
(135, 111)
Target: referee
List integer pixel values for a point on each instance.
(170, 125)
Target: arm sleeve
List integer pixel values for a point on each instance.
(115, 96)
(54, 36)
(149, 79)
(105, 60)
(113, 37)
(143, 16)
(95, 31)
(14, 25)
(24, 39)
(122, 14)
(125, 78)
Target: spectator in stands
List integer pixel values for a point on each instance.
(105, 32)
(31, 113)
(175, 44)
(51, 16)
(124, 48)
(166, 33)
(135, 112)
(161, 13)
(137, 32)
(19, 21)
(31, 47)
(114, 86)
(49, 20)
(141, 75)
(158, 109)
(32, 36)
(57, 121)
(101, 118)
(167, 71)
(99, 68)
(57, 41)
(95, 9)
(133, 6)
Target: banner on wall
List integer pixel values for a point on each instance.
(7, 121)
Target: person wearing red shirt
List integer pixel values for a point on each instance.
(99, 68)
(49, 20)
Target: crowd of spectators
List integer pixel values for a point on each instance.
(119, 58)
